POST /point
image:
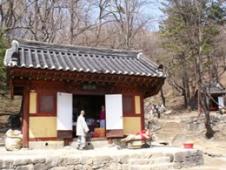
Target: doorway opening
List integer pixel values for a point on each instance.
(91, 104)
(213, 103)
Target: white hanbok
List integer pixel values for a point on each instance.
(81, 131)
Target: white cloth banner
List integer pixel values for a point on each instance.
(64, 111)
(113, 109)
(221, 102)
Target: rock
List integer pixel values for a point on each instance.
(113, 166)
(102, 159)
(25, 167)
(39, 166)
(158, 160)
(63, 168)
(7, 164)
(187, 159)
(123, 159)
(22, 162)
(70, 161)
(86, 167)
(78, 167)
(38, 160)
(53, 162)
(86, 160)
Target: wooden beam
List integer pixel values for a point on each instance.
(135, 81)
(25, 120)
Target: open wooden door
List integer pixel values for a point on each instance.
(114, 115)
(64, 115)
(220, 102)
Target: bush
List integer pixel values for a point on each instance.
(3, 80)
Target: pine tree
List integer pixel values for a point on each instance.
(188, 34)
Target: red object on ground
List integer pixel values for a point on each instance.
(143, 134)
(188, 145)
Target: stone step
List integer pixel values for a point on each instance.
(95, 143)
(163, 159)
(46, 144)
(205, 168)
(99, 144)
(162, 166)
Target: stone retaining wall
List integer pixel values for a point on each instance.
(218, 123)
(185, 158)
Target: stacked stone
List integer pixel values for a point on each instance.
(142, 160)
(188, 159)
(218, 123)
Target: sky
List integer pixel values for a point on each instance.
(153, 10)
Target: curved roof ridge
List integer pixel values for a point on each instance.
(78, 48)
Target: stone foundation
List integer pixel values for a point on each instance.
(160, 158)
(46, 144)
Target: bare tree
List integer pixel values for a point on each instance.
(126, 15)
(11, 17)
(192, 27)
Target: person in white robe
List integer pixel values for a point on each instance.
(81, 130)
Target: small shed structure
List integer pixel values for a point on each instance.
(217, 93)
(57, 81)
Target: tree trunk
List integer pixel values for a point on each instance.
(202, 100)
(202, 103)
(185, 93)
(163, 98)
(202, 97)
(185, 82)
(209, 130)
(187, 88)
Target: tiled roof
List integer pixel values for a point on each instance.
(215, 88)
(38, 55)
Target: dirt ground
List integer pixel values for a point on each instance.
(172, 131)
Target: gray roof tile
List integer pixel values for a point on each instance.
(215, 87)
(39, 55)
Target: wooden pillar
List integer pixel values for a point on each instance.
(142, 112)
(25, 121)
(11, 89)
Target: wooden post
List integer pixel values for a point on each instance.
(11, 90)
(25, 121)
(142, 112)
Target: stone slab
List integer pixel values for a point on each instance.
(102, 158)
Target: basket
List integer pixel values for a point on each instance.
(99, 132)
